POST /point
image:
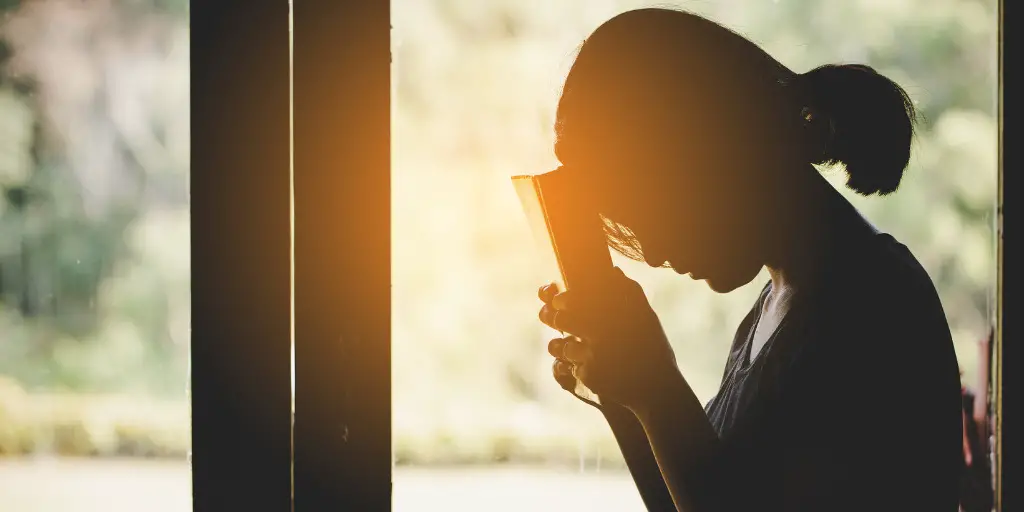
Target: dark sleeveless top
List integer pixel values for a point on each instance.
(853, 404)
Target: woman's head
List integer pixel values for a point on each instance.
(688, 135)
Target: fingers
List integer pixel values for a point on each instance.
(562, 372)
(570, 349)
(564, 312)
(555, 347)
(576, 352)
(563, 301)
(573, 364)
(547, 316)
(547, 292)
(560, 320)
(569, 375)
(570, 356)
(579, 303)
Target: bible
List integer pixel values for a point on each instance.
(569, 230)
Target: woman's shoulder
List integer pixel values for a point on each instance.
(881, 295)
(882, 275)
(886, 305)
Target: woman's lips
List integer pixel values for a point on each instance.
(683, 271)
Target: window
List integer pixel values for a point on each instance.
(360, 207)
(478, 421)
(94, 256)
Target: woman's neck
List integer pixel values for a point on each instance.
(820, 225)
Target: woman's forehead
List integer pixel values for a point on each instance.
(613, 151)
(618, 191)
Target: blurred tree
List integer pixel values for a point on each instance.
(90, 150)
(94, 165)
(476, 84)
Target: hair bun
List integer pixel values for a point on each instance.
(869, 121)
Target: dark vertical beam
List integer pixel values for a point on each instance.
(341, 108)
(241, 325)
(997, 374)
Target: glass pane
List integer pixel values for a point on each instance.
(94, 256)
(479, 424)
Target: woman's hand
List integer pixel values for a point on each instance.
(617, 346)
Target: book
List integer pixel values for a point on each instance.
(568, 228)
(570, 232)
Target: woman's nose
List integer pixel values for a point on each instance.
(652, 256)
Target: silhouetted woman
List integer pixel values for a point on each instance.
(697, 148)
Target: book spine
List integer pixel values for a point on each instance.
(547, 223)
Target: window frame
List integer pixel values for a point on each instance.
(996, 377)
(342, 228)
(240, 371)
(250, 275)
(243, 287)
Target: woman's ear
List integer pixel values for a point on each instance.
(817, 132)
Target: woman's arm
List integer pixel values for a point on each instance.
(636, 450)
(631, 438)
(684, 444)
(668, 422)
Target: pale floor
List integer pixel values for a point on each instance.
(141, 486)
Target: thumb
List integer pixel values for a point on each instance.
(620, 279)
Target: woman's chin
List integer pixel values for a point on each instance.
(722, 285)
(717, 286)
(716, 283)
(726, 283)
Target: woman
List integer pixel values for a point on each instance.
(697, 149)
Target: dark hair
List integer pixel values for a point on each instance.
(852, 115)
(865, 122)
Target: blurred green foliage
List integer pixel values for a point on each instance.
(84, 425)
(94, 209)
(94, 260)
(475, 87)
